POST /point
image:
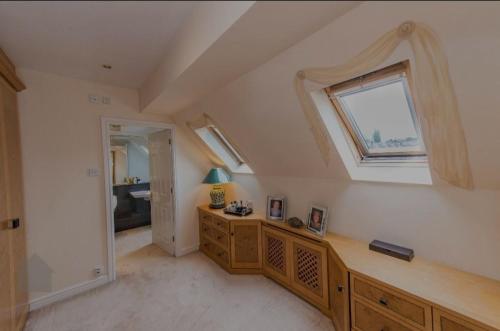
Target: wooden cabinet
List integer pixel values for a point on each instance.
(316, 269)
(246, 248)
(276, 255)
(309, 271)
(444, 321)
(13, 277)
(338, 279)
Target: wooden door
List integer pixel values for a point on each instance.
(339, 292)
(13, 265)
(277, 262)
(161, 186)
(246, 249)
(309, 271)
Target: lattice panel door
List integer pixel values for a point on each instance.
(276, 254)
(310, 274)
(276, 261)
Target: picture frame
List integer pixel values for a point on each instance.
(276, 208)
(317, 218)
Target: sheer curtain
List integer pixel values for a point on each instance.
(436, 105)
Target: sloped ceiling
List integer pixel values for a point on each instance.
(261, 113)
(237, 37)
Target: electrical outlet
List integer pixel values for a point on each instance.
(93, 98)
(98, 271)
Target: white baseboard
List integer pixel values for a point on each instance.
(67, 293)
(187, 250)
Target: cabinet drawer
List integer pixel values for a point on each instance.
(214, 251)
(447, 322)
(416, 313)
(220, 224)
(205, 217)
(220, 237)
(368, 319)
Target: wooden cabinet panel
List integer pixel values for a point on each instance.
(366, 318)
(339, 292)
(448, 322)
(410, 310)
(276, 255)
(309, 271)
(13, 277)
(246, 249)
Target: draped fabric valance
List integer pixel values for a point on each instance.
(436, 102)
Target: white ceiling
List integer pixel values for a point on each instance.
(75, 38)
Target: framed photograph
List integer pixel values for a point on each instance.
(276, 208)
(316, 220)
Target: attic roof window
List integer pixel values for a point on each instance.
(378, 113)
(215, 140)
(374, 126)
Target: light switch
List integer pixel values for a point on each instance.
(93, 172)
(106, 100)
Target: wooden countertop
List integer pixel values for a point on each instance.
(470, 295)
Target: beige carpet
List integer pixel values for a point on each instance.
(157, 292)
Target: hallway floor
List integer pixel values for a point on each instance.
(155, 291)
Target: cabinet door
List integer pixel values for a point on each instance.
(309, 271)
(246, 249)
(276, 255)
(339, 292)
(13, 241)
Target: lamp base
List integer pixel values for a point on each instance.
(217, 196)
(212, 206)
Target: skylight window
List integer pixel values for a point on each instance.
(373, 123)
(378, 112)
(215, 140)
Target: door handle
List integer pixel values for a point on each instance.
(13, 223)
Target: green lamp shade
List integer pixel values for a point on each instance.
(217, 176)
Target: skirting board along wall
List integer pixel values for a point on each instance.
(66, 293)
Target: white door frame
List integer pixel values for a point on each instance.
(110, 225)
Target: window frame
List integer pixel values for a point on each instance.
(393, 73)
(205, 122)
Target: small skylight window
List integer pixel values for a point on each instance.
(378, 112)
(221, 146)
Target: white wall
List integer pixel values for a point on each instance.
(261, 113)
(65, 209)
(452, 226)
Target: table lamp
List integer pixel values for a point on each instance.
(217, 176)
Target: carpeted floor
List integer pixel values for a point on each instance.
(155, 291)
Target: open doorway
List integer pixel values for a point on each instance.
(139, 159)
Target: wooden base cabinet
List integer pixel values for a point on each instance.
(246, 248)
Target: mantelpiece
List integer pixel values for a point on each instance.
(367, 290)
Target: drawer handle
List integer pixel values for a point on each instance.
(219, 255)
(206, 245)
(383, 301)
(385, 328)
(340, 288)
(218, 223)
(232, 234)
